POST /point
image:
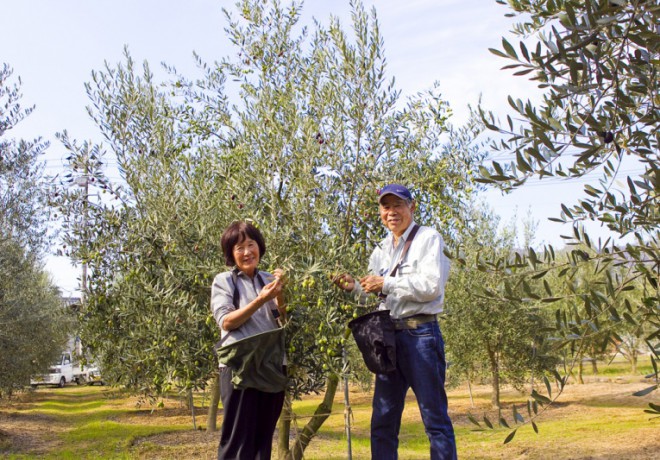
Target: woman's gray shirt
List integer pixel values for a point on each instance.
(222, 293)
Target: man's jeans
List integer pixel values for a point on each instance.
(421, 366)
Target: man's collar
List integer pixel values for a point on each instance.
(404, 237)
(408, 230)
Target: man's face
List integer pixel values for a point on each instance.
(396, 213)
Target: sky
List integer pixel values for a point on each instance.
(53, 46)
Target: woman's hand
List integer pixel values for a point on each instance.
(270, 291)
(344, 281)
(280, 274)
(236, 318)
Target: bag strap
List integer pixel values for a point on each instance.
(274, 311)
(235, 295)
(406, 246)
(235, 298)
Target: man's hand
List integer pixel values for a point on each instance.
(372, 284)
(344, 281)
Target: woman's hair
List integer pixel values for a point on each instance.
(236, 233)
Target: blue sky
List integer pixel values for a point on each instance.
(54, 45)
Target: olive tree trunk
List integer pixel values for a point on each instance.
(495, 378)
(320, 416)
(212, 415)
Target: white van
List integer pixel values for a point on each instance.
(61, 372)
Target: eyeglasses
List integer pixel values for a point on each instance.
(244, 249)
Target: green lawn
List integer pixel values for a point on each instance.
(597, 420)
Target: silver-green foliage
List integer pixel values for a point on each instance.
(597, 63)
(22, 190)
(296, 130)
(491, 339)
(33, 322)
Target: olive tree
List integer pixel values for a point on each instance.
(23, 194)
(597, 64)
(491, 339)
(606, 338)
(33, 321)
(150, 243)
(296, 131)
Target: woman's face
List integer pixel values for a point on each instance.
(246, 255)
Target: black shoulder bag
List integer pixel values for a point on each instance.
(374, 332)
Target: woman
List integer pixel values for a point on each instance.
(245, 302)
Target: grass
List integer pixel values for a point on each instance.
(597, 420)
(108, 436)
(81, 422)
(580, 435)
(619, 366)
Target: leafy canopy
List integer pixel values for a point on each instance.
(597, 62)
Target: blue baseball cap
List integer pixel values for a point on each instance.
(397, 190)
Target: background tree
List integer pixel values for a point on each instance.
(605, 338)
(296, 131)
(150, 268)
(23, 195)
(597, 62)
(493, 340)
(573, 289)
(33, 322)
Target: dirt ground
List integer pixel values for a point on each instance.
(34, 434)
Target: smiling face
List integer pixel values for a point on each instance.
(246, 255)
(396, 213)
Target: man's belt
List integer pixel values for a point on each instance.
(411, 322)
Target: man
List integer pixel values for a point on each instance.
(412, 289)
